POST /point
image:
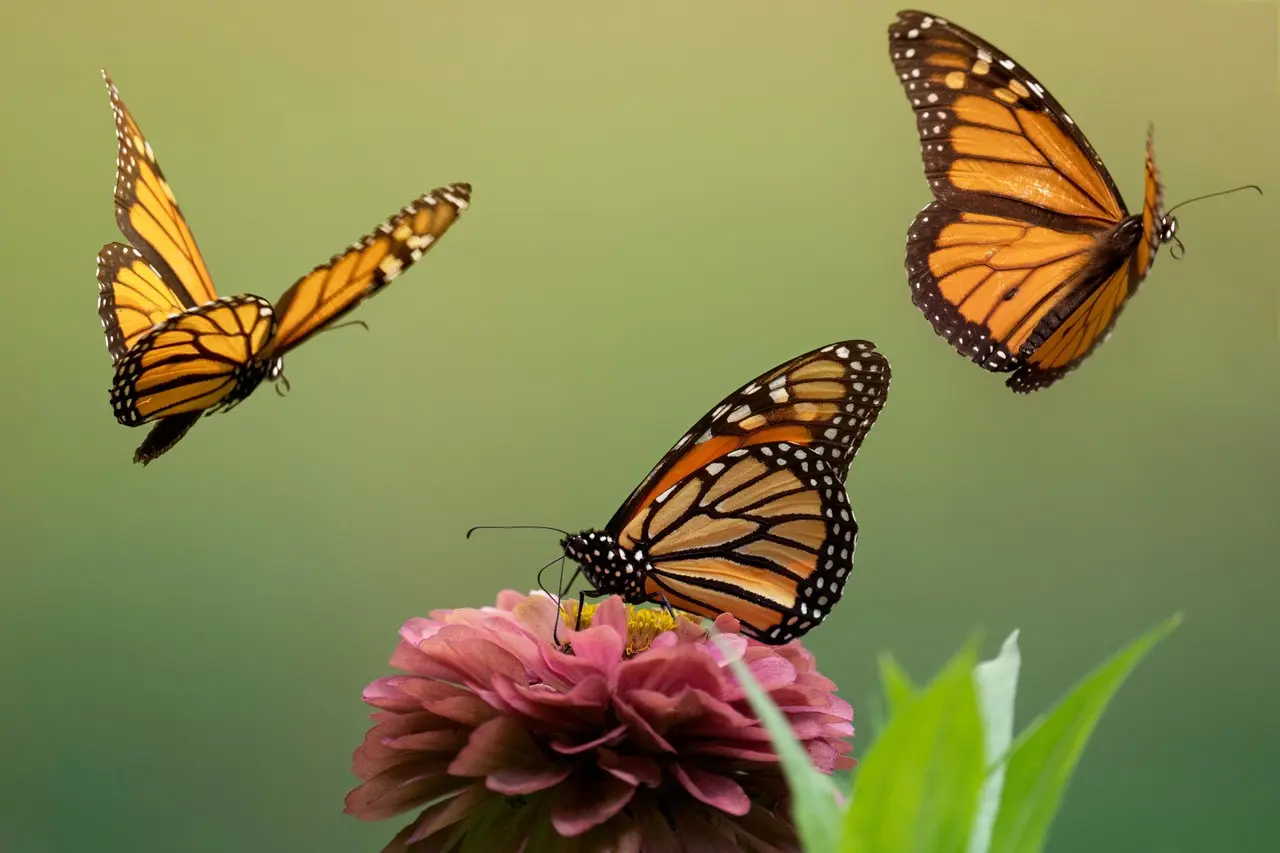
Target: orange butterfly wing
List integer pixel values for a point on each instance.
(148, 215)
(131, 297)
(1028, 253)
(748, 513)
(336, 287)
(204, 360)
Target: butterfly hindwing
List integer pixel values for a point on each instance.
(1090, 321)
(148, 215)
(205, 359)
(748, 513)
(334, 288)
(769, 537)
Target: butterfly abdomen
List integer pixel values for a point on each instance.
(607, 566)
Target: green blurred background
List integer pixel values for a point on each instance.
(670, 197)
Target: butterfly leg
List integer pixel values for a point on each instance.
(666, 606)
(577, 625)
(582, 600)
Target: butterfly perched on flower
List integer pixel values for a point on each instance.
(179, 349)
(1028, 254)
(747, 514)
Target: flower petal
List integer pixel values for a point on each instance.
(698, 834)
(587, 800)
(643, 733)
(669, 671)
(537, 614)
(599, 646)
(510, 599)
(498, 743)
(509, 759)
(728, 648)
(656, 832)
(611, 737)
(450, 812)
(717, 791)
(385, 693)
(632, 769)
(693, 712)
(611, 612)
(471, 657)
(449, 701)
(584, 706)
(401, 787)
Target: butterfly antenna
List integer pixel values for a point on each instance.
(517, 527)
(1214, 195)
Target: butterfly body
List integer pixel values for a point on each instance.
(179, 349)
(748, 513)
(608, 566)
(1028, 254)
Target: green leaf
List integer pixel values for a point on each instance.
(997, 682)
(917, 788)
(814, 799)
(899, 690)
(1046, 754)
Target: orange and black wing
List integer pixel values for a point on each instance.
(200, 361)
(748, 513)
(332, 289)
(131, 297)
(148, 216)
(1061, 346)
(1028, 227)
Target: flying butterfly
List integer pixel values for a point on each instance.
(1028, 254)
(179, 350)
(747, 514)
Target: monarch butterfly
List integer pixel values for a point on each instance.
(747, 513)
(180, 350)
(1028, 254)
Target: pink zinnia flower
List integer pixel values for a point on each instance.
(638, 739)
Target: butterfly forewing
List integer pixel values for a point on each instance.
(148, 215)
(748, 513)
(131, 297)
(203, 359)
(334, 288)
(992, 138)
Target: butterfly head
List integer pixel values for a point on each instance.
(607, 566)
(1167, 229)
(275, 372)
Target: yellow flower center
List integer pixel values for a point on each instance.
(644, 624)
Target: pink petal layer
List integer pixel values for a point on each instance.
(588, 800)
(717, 791)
